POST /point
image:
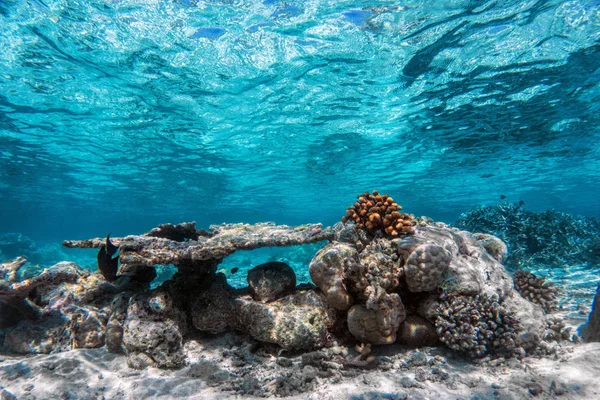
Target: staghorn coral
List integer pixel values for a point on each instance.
(536, 238)
(377, 213)
(477, 325)
(536, 290)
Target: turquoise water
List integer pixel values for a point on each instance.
(116, 116)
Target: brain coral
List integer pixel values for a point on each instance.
(377, 213)
(425, 267)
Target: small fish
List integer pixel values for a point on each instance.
(502, 196)
(234, 270)
(107, 265)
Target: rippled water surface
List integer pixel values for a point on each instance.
(119, 115)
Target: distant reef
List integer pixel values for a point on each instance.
(550, 238)
(381, 277)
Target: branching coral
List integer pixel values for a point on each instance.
(545, 238)
(377, 213)
(476, 325)
(536, 289)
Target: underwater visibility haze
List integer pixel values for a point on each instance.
(116, 116)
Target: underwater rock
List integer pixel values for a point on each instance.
(219, 242)
(114, 326)
(327, 271)
(299, 321)
(270, 281)
(417, 331)
(153, 331)
(63, 308)
(493, 245)
(377, 326)
(590, 332)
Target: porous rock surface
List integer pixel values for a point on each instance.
(64, 307)
(299, 321)
(153, 331)
(270, 281)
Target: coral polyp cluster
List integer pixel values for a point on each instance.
(477, 325)
(536, 289)
(379, 213)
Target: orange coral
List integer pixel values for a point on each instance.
(375, 212)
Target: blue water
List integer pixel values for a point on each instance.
(116, 116)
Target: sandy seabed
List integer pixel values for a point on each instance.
(232, 366)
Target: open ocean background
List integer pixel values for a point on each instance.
(117, 116)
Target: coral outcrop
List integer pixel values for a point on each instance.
(384, 277)
(376, 213)
(153, 331)
(435, 272)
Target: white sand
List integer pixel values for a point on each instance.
(216, 363)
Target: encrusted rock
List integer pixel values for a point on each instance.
(493, 245)
(327, 271)
(417, 331)
(377, 326)
(270, 281)
(154, 331)
(298, 321)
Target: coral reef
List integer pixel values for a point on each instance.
(379, 214)
(550, 238)
(536, 289)
(386, 280)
